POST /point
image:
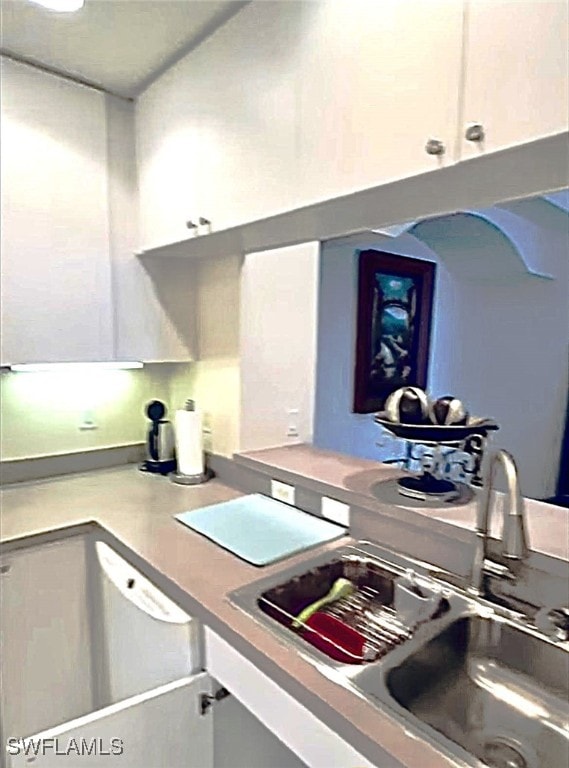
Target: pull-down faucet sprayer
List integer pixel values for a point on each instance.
(514, 537)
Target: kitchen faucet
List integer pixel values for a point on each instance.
(514, 539)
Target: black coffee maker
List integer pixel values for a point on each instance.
(160, 455)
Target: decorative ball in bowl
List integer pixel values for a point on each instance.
(410, 414)
(448, 411)
(408, 405)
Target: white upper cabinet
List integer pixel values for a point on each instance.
(516, 72)
(56, 271)
(154, 303)
(248, 79)
(216, 133)
(291, 103)
(378, 81)
(168, 145)
(72, 287)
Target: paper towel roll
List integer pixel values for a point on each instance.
(189, 442)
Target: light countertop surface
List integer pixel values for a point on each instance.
(548, 524)
(137, 510)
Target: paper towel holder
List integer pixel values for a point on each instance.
(182, 479)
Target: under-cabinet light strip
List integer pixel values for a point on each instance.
(61, 6)
(58, 367)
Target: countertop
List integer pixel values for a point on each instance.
(137, 511)
(548, 524)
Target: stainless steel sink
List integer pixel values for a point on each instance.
(473, 680)
(498, 692)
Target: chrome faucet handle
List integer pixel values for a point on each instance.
(499, 571)
(489, 568)
(554, 622)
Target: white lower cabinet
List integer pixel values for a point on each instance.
(100, 668)
(314, 743)
(44, 632)
(162, 728)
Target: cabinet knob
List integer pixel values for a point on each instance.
(474, 132)
(435, 147)
(204, 226)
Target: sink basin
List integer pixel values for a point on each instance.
(373, 595)
(497, 691)
(472, 680)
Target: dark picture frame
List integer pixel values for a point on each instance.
(395, 302)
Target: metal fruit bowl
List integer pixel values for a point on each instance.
(437, 433)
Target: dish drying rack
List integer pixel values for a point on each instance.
(368, 611)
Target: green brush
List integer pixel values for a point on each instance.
(340, 588)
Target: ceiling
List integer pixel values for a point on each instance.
(118, 45)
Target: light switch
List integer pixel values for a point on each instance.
(282, 492)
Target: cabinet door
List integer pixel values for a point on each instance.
(247, 75)
(44, 630)
(378, 80)
(56, 290)
(146, 639)
(168, 147)
(288, 720)
(240, 740)
(217, 132)
(517, 83)
(163, 728)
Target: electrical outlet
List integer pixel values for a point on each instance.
(292, 426)
(87, 426)
(335, 511)
(282, 492)
(88, 422)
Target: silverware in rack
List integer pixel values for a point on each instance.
(364, 612)
(369, 610)
(376, 622)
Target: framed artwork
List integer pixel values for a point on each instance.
(395, 298)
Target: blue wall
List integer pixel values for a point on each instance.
(499, 343)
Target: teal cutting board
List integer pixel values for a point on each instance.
(259, 529)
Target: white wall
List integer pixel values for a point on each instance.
(501, 346)
(278, 345)
(41, 413)
(213, 380)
